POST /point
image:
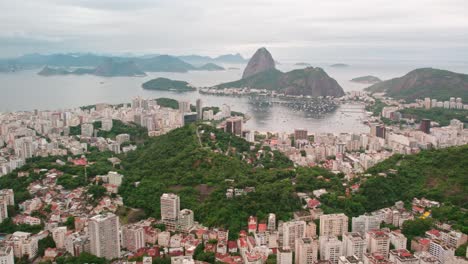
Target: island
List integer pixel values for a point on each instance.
(165, 84)
(369, 79)
(108, 68)
(339, 65)
(210, 67)
(302, 64)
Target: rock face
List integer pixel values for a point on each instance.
(261, 61)
(310, 81)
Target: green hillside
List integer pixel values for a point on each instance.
(425, 82)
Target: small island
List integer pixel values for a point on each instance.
(304, 64)
(369, 79)
(211, 67)
(339, 65)
(164, 84)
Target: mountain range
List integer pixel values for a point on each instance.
(147, 63)
(424, 82)
(261, 73)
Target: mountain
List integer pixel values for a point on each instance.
(108, 68)
(261, 61)
(164, 84)
(425, 82)
(111, 67)
(164, 63)
(369, 79)
(339, 65)
(210, 67)
(199, 60)
(308, 82)
(302, 64)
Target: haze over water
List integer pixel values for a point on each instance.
(25, 90)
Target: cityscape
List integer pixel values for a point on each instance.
(237, 132)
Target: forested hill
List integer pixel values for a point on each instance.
(199, 169)
(441, 175)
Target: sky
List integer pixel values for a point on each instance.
(337, 30)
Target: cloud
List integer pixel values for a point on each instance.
(290, 28)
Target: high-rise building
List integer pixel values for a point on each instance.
(8, 195)
(402, 256)
(133, 237)
(234, 125)
(300, 134)
(199, 107)
(441, 251)
(331, 248)
(6, 254)
(58, 234)
(106, 124)
(306, 251)
(271, 222)
(425, 126)
(380, 131)
(3, 209)
(170, 208)
(104, 235)
(284, 256)
(378, 241)
(354, 244)
(398, 240)
(87, 130)
(292, 231)
(427, 103)
(186, 219)
(349, 260)
(364, 223)
(184, 107)
(333, 224)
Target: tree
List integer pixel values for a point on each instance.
(416, 227)
(43, 244)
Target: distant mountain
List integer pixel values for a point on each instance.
(425, 82)
(261, 61)
(302, 64)
(164, 84)
(164, 63)
(199, 60)
(210, 67)
(111, 67)
(369, 79)
(339, 65)
(308, 82)
(108, 68)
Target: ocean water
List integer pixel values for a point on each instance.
(25, 90)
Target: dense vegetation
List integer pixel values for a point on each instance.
(376, 108)
(168, 102)
(197, 169)
(425, 82)
(165, 84)
(439, 115)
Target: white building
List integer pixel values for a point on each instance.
(333, 224)
(364, 223)
(354, 244)
(331, 248)
(292, 231)
(6, 254)
(186, 219)
(58, 234)
(284, 256)
(104, 235)
(378, 241)
(306, 251)
(133, 237)
(441, 251)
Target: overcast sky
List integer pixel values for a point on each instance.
(305, 29)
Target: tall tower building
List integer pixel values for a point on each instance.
(425, 126)
(333, 224)
(234, 125)
(331, 248)
(170, 208)
(104, 235)
(186, 219)
(133, 237)
(364, 223)
(6, 254)
(292, 231)
(271, 222)
(306, 251)
(354, 244)
(378, 241)
(3, 209)
(284, 256)
(199, 109)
